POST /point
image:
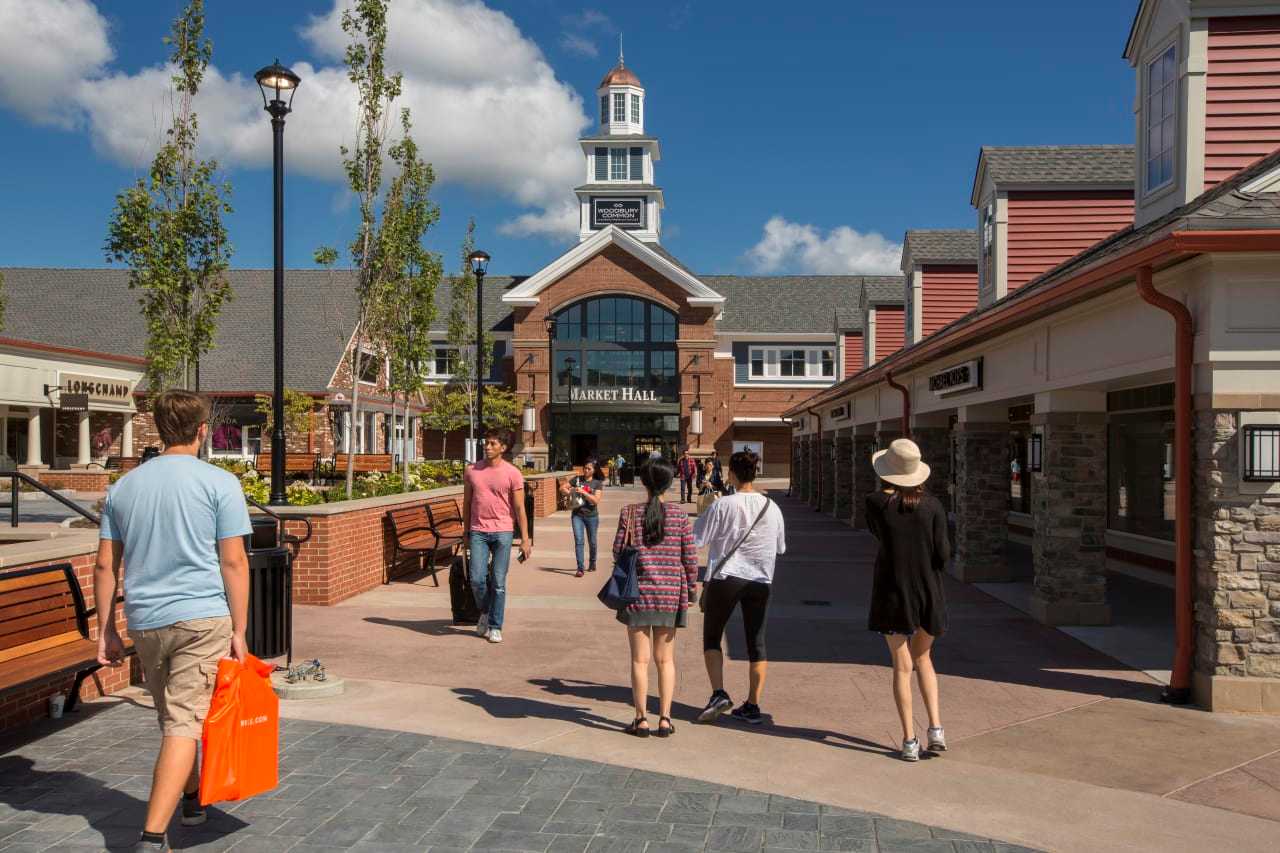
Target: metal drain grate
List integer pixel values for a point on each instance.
(814, 602)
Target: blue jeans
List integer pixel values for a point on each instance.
(491, 598)
(584, 525)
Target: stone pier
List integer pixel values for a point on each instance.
(981, 498)
(864, 476)
(843, 470)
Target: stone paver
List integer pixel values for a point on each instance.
(81, 783)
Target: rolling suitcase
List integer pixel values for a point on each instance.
(465, 611)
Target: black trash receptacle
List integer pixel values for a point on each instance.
(270, 590)
(528, 509)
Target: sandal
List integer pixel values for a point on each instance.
(635, 730)
(668, 731)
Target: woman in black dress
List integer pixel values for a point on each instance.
(907, 602)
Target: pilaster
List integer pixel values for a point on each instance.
(826, 459)
(864, 476)
(981, 501)
(842, 469)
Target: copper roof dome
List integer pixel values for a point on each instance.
(620, 76)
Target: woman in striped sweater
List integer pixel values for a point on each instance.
(667, 575)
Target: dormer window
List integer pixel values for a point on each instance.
(604, 109)
(617, 164)
(619, 106)
(1162, 121)
(635, 108)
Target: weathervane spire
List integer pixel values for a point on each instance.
(619, 48)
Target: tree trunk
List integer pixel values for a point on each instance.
(404, 443)
(355, 414)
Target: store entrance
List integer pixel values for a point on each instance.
(584, 447)
(579, 435)
(644, 447)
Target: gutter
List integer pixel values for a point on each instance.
(1179, 690)
(906, 402)
(818, 468)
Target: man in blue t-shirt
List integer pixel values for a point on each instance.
(176, 524)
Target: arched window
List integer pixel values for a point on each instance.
(616, 341)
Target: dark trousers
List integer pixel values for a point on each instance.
(686, 489)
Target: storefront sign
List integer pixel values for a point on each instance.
(797, 424)
(99, 389)
(840, 413)
(623, 212)
(624, 394)
(953, 380)
(73, 402)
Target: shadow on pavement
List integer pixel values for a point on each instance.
(518, 707)
(430, 627)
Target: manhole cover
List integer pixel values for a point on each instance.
(813, 602)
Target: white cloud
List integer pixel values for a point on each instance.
(579, 45)
(496, 120)
(792, 247)
(46, 48)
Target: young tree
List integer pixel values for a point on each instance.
(366, 24)
(297, 412)
(502, 408)
(461, 328)
(446, 412)
(168, 228)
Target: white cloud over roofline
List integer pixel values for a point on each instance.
(795, 248)
(495, 120)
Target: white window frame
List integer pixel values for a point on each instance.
(244, 452)
(1168, 121)
(432, 373)
(619, 157)
(619, 107)
(384, 369)
(771, 358)
(635, 108)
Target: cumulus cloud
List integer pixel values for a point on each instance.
(496, 120)
(46, 49)
(792, 247)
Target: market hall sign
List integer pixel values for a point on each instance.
(99, 389)
(623, 212)
(624, 394)
(961, 377)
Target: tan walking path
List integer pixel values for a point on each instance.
(1053, 745)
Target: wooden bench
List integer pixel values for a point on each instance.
(365, 463)
(44, 629)
(294, 463)
(424, 530)
(123, 464)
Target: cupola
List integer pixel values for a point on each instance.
(621, 101)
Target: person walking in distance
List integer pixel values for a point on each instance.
(667, 578)
(584, 493)
(612, 462)
(907, 602)
(745, 534)
(687, 467)
(492, 510)
(178, 524)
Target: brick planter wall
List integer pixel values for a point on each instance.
(81, 481)
(29, 703)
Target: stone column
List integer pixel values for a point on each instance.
(1069, 513)
(83, 450)
(1237, 569)
(932, 434)
(126, 435)
(864, 476)
(816, 483)
(34, 458)
(826, 460)
(981, 498)
(843, 472)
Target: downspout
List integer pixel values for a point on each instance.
(906, 402)
(1179, 690)
(818, 468)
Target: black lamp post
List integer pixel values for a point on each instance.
(570, 364)
(277, 82)
(551, 326)
(479, 266)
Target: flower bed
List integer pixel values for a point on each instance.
(423, 476)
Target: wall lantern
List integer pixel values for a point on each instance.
(695, 419)
(1035, 451)
(529, 418)
(1262, 453)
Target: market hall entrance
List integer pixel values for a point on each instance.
(578, 435)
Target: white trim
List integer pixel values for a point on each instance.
(762, 421)
(779, 336)
(817, 385)
(527, 293)
(1263, 183)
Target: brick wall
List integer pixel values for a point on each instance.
(82, 481)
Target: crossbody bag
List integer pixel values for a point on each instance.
(711, 573)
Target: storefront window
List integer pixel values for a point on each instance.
(236, 439)
(1140, 474)
(614, 342)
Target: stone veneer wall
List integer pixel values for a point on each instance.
(1237, 567)
(842, 469)
(982, 473)
(826, 459)
(935, 451)
(864, 478)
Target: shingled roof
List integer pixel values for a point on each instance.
(1054, 164)
(939, 246)
(783, 304)
(94, 310)
(882, 289)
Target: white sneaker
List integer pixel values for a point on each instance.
(482, 627)
(495, 635)
(911, 750)
(937, 739)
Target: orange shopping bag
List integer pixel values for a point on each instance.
(241, 737)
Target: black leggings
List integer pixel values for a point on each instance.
(722, 595)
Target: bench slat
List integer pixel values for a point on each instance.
(77, 654)
(61, 639)
(37, 579)
(33, 626)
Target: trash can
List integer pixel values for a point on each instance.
(528, 509)
(270, 628)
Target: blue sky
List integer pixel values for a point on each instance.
(842, 123)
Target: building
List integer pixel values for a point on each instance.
(1114, 396)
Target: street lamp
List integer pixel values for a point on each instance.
(551, 327)
(479, 261)
(569, 364)
(695, 411)
(276, 82)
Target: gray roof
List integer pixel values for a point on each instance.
(848, 318)
(1056, 164)
(880, 289)
(94, 310)
(940, 246)
(786, 304)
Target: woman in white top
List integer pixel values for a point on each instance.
(745, 534)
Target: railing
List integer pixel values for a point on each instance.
(286, 538)
(16, 476)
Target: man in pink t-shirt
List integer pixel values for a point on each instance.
(492, 506)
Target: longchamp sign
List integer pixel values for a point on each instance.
(623, 212)
(954, 380)
(99, 389)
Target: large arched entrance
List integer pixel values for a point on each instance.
(615, 389)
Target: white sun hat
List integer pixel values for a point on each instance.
(900, 464)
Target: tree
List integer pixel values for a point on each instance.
(446, 411)
(297, 412)
(461, 334)
(502, 407)
(366, 24)
(168, 228)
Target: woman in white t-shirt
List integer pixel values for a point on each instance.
(745, 534)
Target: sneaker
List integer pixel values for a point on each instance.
(482, 627)
(937, 739)
(748, 713)
(143, 846)
(911, 750)
(495, 635)
(716, 705)
(193, 814)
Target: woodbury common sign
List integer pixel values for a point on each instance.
(623, 212)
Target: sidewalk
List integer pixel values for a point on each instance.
(1054, 745)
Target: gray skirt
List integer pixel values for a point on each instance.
(653, 618)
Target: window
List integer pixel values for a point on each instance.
(604, 109)
(662, 324)
(828, 362)
(757, 362)
(1141, 481)
(444, 362)
(617, 164)
(1161, 124)
(619, 106)
(637, 164)
(616, 341)
(1261, 453)
(370, 368)
(635, 108)
(602, 164)
(791, 362)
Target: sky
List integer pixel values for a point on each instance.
(798, 141)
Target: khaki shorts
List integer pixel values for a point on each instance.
(180, 662)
